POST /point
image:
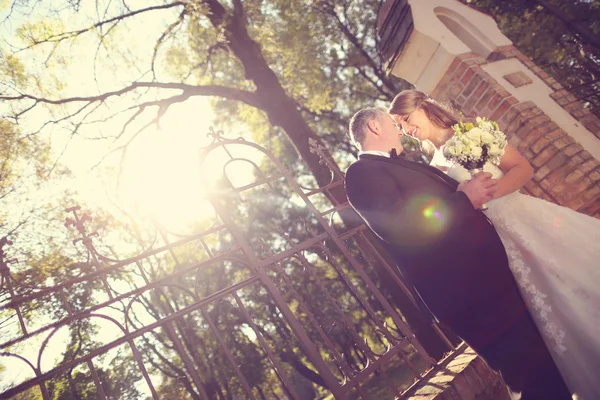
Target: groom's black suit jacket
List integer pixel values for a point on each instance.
(454, 258)
(446, 249)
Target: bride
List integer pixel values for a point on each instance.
(553, 251)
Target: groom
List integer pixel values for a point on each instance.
(450, 252)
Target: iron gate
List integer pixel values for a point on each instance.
(241, 309)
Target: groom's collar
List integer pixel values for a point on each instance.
(391, 154)
(374, 153)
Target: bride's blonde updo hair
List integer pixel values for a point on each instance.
(408, 101)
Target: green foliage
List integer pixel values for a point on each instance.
(32, 33)
(550, 43)
(24, 165)
(12, 69)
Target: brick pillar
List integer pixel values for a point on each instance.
(565, 173)
(466, 377)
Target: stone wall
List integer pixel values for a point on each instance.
(565, 173)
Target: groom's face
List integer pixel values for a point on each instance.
(390, 132)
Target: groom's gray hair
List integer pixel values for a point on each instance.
(359, 124)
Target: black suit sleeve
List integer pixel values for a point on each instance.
(399, 212)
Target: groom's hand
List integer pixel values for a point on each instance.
(480, 189)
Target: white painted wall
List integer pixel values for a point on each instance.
(433, 45)
(423, 62)
(539, 93)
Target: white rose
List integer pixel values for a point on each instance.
(466, 149)
(487, 138)
(476, 152)
(494, 150)
(475, 135)
(456, 150)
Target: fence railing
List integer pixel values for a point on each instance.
(248, 307)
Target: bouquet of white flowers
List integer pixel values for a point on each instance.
(475, 144)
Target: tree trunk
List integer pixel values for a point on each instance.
(260, 392)
(293, 360)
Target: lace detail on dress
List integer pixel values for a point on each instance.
(553, 253)
(503, 213)
(521, 272)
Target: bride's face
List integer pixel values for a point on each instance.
(416, 124)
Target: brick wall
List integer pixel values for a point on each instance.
(560, 95)
(465, 377)
(565, 173)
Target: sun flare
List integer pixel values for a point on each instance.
(160, 175)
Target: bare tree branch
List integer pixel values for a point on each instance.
(54, 121)
(329, 9)
(249, 98)
(67, 35)
(162, 38)
(100, 45)
(379, 88)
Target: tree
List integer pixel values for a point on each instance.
(560, 37)
(271, 57)
(578, 26)
(296, 70)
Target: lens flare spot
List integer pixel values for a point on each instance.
(434, 214)
(433, 209)
(428, 212)
(429, 216)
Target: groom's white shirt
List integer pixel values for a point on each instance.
(375, 153)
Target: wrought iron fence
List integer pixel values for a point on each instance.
(294, 312)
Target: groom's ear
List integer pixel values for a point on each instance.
(374, 126)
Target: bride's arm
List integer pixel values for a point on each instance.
(517, 172)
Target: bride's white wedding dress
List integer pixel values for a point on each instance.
(554, 254)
